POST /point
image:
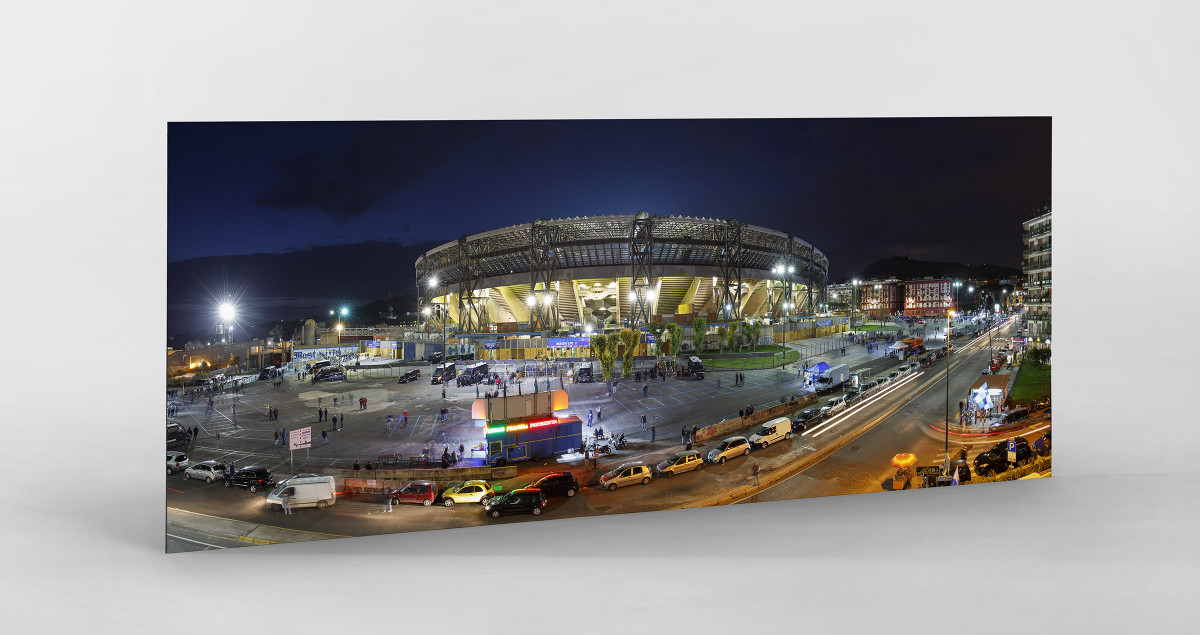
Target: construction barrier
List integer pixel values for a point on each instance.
(760, 416)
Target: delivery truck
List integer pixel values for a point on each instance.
(832, 379)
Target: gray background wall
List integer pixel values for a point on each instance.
(1107, 545)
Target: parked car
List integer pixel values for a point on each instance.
(583, 375)
(913, 365)
(251, 478)
(176, 461)
(728, 449)
(679, 463)
(892, 376)
(207, 471)
(833, 406)
(964, 470)
(626, 474)
(1023, 449)
(851, 396)
(423, 492)
(806, 419)
(410, 375)
(557, 484)
(467, 492)
(991, 462)
(772, 431)
(518, 501)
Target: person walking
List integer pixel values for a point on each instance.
(756, 471)
(683, 435)
(645, 390)
(599, 413)
(643, 421)
(589, 417)
(652, 434)
(276, 437)
(695, 429)
(405, 417)
(335, 420)
(286, 499)
(342, 425)
(324, 437)
(388, 500)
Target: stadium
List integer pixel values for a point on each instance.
(605, 272)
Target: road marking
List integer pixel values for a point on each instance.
(195, 541)
(892, 387)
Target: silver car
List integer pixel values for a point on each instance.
(176, 461)
(627, 474)
(680, 463)
(728, 449)
(207, 471)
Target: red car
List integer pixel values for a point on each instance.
(423, 492)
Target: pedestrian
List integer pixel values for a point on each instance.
(599, 413)
(683, 435)
(589, 417)
(342, 425)
(695, 429)
(286, 499)
(652, 433)
(388, 500)
(645, 390)
(405, 417)
(741, 412)
(335, 419)
(756, 470)
(276, 438)
(643, 421)
(356, 465)
(461, 451)
(335, 402)
(195, 433)
(324, 437)
(327, 414)
(443, 392)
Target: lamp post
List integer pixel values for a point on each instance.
(949, 316)
(854, 308)
(227, 314)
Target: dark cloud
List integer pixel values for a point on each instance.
(379, 161)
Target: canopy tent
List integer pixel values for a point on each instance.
(819, 368)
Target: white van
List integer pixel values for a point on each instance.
(306, 491)
(772, 431)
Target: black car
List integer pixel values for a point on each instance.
(1017, 415)
(251, 478)
(1022, 447)
(806, 419)
(584, 375)
(964, 471)
(991, 462)
(518, 501)
(557, 484)
(435, 358)
(850, 396)
(410, 375)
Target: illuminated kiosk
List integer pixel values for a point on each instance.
(522, 427)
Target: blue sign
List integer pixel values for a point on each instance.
(569, 342)
(650, 339)
(491, 345)
(372, 344)
(824, 322)
(1012, 445)
(393, 345)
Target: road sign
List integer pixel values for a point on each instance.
(1012, 450)
(300, 439)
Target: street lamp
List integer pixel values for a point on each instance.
(228, 312)
(854, 300)
(879, 305)
(949, 316)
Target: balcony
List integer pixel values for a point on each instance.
(1040, 230)
(1036, 250)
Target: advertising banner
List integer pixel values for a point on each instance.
(491, 345)
(567, 342)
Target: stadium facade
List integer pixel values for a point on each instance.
(610, 271)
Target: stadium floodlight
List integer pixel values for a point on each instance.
(791, 269)
(345, 311)
(531, 300)
(650, 295)
(426, 311)
(433, 281)
(227, 312)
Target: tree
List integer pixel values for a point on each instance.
(733, 334)
(234, 361)
(1040, 355)
(744, 332)
(699, 329)
(599, 348)
(671, 344)
(754, 330)
(629, 338)
(722, 336)
(613, 342)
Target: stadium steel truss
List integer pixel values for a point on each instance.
(617, 270)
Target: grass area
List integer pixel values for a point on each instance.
(750, 363)
(876, 327)
(762, 348)
(1033, 384)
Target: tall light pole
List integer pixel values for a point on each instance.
(854, 299)
(227, 314)
(879, 305)
(949, 316)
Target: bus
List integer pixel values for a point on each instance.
(536, 437)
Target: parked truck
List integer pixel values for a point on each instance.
(691, 366)
(833, 378)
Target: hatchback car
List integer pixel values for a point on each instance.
(423, 492)
(626, 474)
(518, 501)
(251, 478)
(893, 375)
(728, 449)
(176, 461)
(207, 471)
(806, 419)
(469, 492)
(557, 484)
(851, 396)
(833, 406)
(679, 463)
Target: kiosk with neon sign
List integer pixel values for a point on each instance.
(535, 433)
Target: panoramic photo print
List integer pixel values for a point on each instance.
(391, 326)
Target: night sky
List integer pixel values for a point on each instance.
(859, 189)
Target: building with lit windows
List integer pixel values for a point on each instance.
(928, 298)
(1036, 266)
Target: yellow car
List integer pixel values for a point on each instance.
(468, 492)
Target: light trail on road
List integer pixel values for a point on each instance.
(829, 425)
